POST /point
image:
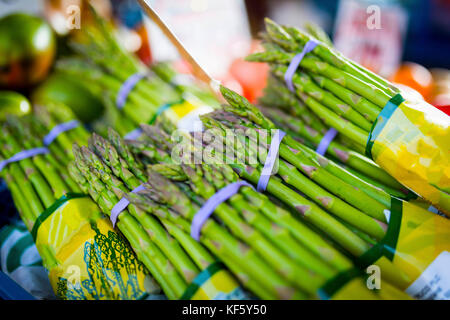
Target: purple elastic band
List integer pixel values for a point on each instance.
(23, 155)
(326, 140)
(270, 160)
(295, 62)
(121, 205)
(433, 209)
(126, 88)
(133, 135)
(210, 205)
(58, 129)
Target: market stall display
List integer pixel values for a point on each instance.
(134, 180)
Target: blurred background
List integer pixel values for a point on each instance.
(406, 41)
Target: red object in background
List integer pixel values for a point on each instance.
(144, 53)
(445, 109)
(415, 76)
(252, 76)
(442, 102)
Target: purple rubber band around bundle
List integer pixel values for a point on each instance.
(121, 205)
(23, 155)
(126, 88)
(433, 209)
(295, 62)
(270, 160)
(58, 129)
(133, 135)
(326, 140)
(210, 205)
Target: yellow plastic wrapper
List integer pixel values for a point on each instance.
(85, 257)
(415, 253)
(185, 114)
(411, 141)
(214, 283)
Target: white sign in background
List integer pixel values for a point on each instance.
(214, 32)
(371, 33)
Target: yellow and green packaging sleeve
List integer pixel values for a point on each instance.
(414, 254)
(85, 257)
(184, 114)
(411, 141)
(214, 283)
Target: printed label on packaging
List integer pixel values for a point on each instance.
(434, 283)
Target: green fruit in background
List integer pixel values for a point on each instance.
(27, 50)
(13, 103)
(61, 88)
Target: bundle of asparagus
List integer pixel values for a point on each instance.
(289, 113)
(369, 111)
(353, 213)
(273, 254)
(70, 233)
(108, 171)
(132, 93)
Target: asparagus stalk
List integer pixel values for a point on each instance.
(292, 38)
(316, 66)
(100, 145)
(279, 235)
(243, 108)
(251, 236)
(304, 83)
(205, 259)
(301, 233)
(328, 201)
(156, 232)
(354, 162)
(139, 240)
(296, 156)
(157, 262)
(136, 108)
(318, 33)
(10, 148)
(61, 155)
(362, 105)
(215, 237)
(23, 205)
(277, 95)
(47, 121)
(46, 168)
